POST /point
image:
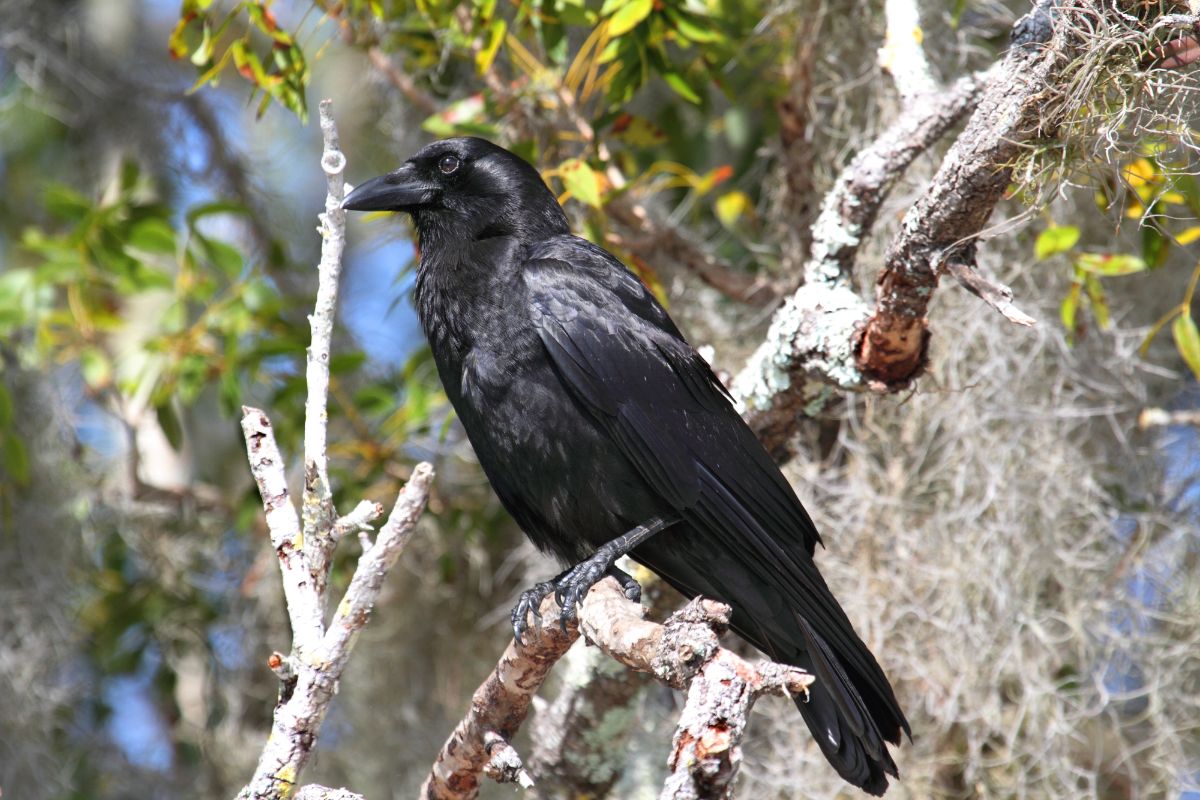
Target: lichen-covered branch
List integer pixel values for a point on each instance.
(902, 53)
(309, 675)
(814, 334)
(684, 652)
(944, 223)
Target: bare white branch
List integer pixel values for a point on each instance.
(266, 464)
(309, 675)
(317, 507)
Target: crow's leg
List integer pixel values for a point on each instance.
(573, 585)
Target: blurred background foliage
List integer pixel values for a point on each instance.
(157, 213)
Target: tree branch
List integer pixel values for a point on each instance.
(943, 224)
(814, 334)
(309, 675)
(683, 653)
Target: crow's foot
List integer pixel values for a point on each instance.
(571, 586)
(529, 603)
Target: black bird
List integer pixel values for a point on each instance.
(604, 432)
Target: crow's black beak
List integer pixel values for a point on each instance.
(401, 190)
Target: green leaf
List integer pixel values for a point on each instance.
(225, 257)
(218, 207)
(581, 181)
(1055, 239)
(1155, 246)
(6, 408)
(1095, 293)
(95, 367)
(66, 203)
(681, 87)
(169, 422)
(695, 29)
(16, 459)
(1109, 264)
(628, 16)
(153, 236)
(487, 54)
(1187, 341)
(1067, 311)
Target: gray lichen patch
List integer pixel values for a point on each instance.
(812, 334)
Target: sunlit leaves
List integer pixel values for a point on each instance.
(625, 14)
(581, 181)
(248, 36)
(1054, 240)
(732, 206)
(1087, 290)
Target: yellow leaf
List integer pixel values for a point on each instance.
(487, 55)
(1189, 236)
(1187, 341)
(1139, 173)
(629, 16)
(731, 206)
(581, 181)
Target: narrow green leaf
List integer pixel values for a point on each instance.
(681, 87)
(1055, 239)
(6, 408)
(1187, 341)
(487, 54)
(1095, 293)
(1067, 311)
(219, 207)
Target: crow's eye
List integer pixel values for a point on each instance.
(448, 164)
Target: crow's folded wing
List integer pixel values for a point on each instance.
(625, 362)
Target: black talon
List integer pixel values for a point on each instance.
(528, 604)
(629, 584)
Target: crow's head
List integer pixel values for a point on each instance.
(464, 189)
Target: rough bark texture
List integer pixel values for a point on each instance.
(945, 222)
(811, 343)
(498, 708)
(684, 652)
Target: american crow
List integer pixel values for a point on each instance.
(604, 432)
